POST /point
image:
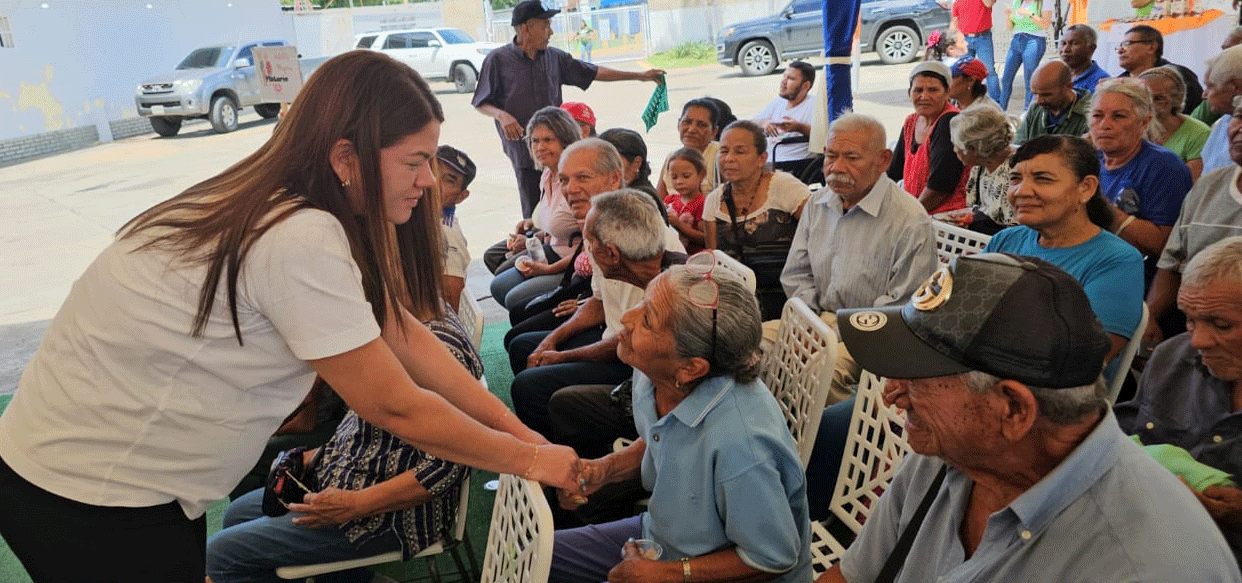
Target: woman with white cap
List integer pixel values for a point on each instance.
(924, 157)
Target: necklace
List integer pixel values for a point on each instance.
(744, 209)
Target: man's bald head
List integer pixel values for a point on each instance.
(1052, 86)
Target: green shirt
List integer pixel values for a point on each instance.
(1187, 142)
(1023, 23)
(1074, 123)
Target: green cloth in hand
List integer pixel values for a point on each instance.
(656, 105)
(1179, 461)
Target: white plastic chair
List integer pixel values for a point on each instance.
(1126, 357)
(519, 540)
(798, 370)
(451, 544)
(873, 451)
(737, 268)
(471, 316)
(954, 241)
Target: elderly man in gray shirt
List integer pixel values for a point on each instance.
(861, 242)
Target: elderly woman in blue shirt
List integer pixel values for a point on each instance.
(728, 493)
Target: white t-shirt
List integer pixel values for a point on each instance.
(122, 407)
(618, 296)
(456, 250)
(778, 110)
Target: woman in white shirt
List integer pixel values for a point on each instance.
(189, 339)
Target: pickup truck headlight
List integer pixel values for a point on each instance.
(189, 85)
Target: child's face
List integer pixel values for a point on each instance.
(686, 178)
(451, 190)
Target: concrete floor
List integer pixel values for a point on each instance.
(64, 209)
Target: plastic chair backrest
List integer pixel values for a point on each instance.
(873, 451)
(798, 370)
(519, 541)
(1126, 357)
(471, 316)
(735, 267)
(954, 241)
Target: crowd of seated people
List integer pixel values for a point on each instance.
(1100, 199)
(1084, 180)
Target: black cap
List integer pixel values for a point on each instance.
(528, 9)
(1014, 317)
(459, 161)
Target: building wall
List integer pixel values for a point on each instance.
(76, 63)
(676, 21)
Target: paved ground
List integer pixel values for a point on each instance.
(64, 209)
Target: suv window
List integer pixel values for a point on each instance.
(800, 6)
(421, 40)
(397, 40)
(206, 58)
(454, 36)
(365, 42)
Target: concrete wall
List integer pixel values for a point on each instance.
(676, 21)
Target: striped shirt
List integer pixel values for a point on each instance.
(360, 455)
(876, 254)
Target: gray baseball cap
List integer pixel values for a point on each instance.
(1015, 317)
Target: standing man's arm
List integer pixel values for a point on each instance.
(610, 74)
(988, 3)
(513, 129)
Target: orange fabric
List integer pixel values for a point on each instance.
(1171, 24)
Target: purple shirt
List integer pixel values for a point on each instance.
(521, 86)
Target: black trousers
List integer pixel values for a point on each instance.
(59, 540)
(528, 188)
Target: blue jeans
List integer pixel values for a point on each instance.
(979, 46)
(826, 456)
(251, 546)
(1025, 49)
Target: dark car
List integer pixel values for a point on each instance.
(894, 29)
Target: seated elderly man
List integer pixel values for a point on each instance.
(1190, 391)
(1019, 470)
(627, 238)
(862, 241)
(1224, 84)
(1212, 211)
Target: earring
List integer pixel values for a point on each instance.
(344, 184)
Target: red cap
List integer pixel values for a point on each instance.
(580, 111)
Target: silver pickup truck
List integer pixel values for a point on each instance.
(212, 82)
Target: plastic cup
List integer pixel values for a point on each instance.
(647, 549)
(522, 263)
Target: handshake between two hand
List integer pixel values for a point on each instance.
(592, 474)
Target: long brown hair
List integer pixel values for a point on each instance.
(365, 97)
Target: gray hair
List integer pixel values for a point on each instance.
(737, 321)
(1057, 406)
(1173, 76)
(628, 220)
(1134, 90)
(559, 122)
(1092, 36)
(606, 158)
(1219, 262)
(849, 121)
(1226, 66)
(982, 129)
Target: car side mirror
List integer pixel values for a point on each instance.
(433, 44)
(241, 62)
(787, 14)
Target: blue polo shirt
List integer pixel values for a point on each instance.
(723, 472)
(1107, 512)
(1088, 79)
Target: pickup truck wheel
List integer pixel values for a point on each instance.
(897, 45)
(267, 110)
(166, 126)
(465, 78)
(223, 115)
(757, 58)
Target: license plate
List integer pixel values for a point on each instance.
(157, 109)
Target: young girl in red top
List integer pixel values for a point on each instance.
(685, 207)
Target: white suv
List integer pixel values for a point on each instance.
(447, 54)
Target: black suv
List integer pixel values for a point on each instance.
(894, 29)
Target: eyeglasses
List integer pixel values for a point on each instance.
(280, 488)
(1128, 43)
(705, 293)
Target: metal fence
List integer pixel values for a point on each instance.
(621, 34)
